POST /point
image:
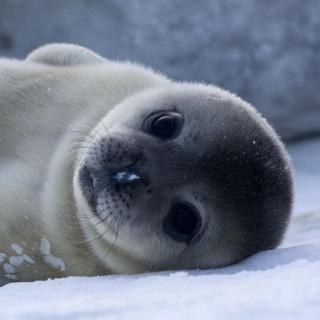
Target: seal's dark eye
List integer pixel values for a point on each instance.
(165, 125)
(182, 222)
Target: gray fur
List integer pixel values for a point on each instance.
(65, 106)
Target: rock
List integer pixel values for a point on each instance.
(265, 51)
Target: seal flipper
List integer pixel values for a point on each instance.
(63, 54)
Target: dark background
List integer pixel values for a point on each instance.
(268, 52)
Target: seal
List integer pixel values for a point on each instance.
(110, 167)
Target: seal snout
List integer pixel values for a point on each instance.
(183, 222)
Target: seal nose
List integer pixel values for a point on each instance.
(182, 222)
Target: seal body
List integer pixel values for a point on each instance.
(109, 167)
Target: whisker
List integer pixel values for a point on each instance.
(115, 239)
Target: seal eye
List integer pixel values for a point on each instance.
(165, 125)
(182, 222)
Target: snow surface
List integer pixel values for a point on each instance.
(277, 284)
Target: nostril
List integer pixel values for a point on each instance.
(182, 222)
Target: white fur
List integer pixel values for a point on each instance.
(43, 101)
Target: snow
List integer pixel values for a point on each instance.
(55, 262)
(17, 249)
(306, 157)
(279, 284)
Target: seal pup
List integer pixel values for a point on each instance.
(109, 167)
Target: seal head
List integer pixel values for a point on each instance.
(182, 176)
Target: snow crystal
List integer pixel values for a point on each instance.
(2, 257)
(8, 268)
(55, 262)
(50, 259)
(27, 259)
(18, 260)
(17, 249)
(45, 247)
